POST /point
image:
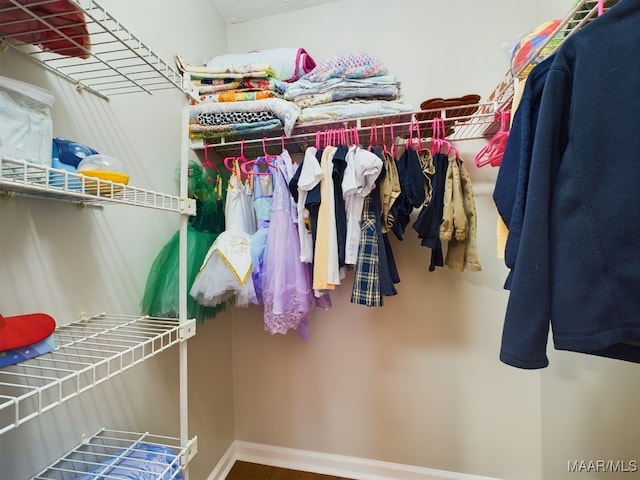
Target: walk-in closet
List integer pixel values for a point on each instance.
(425, 363)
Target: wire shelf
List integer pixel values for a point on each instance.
(117, 454)
(17, 176)
(478, 124)
(116, 61)
(584, 12)
(87, 352)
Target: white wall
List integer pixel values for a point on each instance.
(62, 260)
(419, 381)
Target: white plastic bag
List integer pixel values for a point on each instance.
(26, 128)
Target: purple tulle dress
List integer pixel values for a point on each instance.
(287, 295)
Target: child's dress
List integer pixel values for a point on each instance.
(226, 269)
(262, 201)
(287, 296)
(161, 291)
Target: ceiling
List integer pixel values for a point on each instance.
(236, 11)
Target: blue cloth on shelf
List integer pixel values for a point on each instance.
(11, 357)
(143, 461)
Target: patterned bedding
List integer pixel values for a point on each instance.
(217, 113)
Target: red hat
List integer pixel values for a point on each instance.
(23, 330)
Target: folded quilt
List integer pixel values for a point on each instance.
(214, 85)
(307, 87)
(227, 71)
(233, 129)
(227, 118)
(288, 64)
(339, 94)
(347, 65)
(236, 96)
(347, 110)
(286, 112)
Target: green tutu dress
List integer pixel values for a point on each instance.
(161, 291)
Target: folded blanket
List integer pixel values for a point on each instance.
(227, 71)
(307, 87)
(238, 96)
(232, 129)
(347, 65)
(226, 118)
(289, 64)
(213, 85)
(286, 111)
(389, 92)
(347, 110)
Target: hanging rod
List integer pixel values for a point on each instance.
(477, 125)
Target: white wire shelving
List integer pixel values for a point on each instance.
(117, 62)
(580, 15)
(87, 46)
(466, 122)
(118, 454)
(87, 353)
(19, 177)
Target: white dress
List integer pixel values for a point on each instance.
(226, 269)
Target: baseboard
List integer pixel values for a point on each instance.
(223, 467)
(328, 464)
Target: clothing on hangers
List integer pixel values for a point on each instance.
(160, 298)
(226, 270)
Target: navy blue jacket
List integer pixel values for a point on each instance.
(510, 190)
(578, 259)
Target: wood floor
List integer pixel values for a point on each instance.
(253, 471)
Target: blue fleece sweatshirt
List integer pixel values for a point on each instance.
(578, 262)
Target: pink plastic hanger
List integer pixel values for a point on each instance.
(414, 126)
(333, 135)
(248, 167)
(446, 143)
(439, 139)
(492, 152)
(600, 7)
(393, 141)
(342, 136)
(436, 139)
(319, 137)
(234, 164)
(373, 136)
(355, 136)
(267, 156)
(209, 164)
(385, 148)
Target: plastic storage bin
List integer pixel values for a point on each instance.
(26, 128)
